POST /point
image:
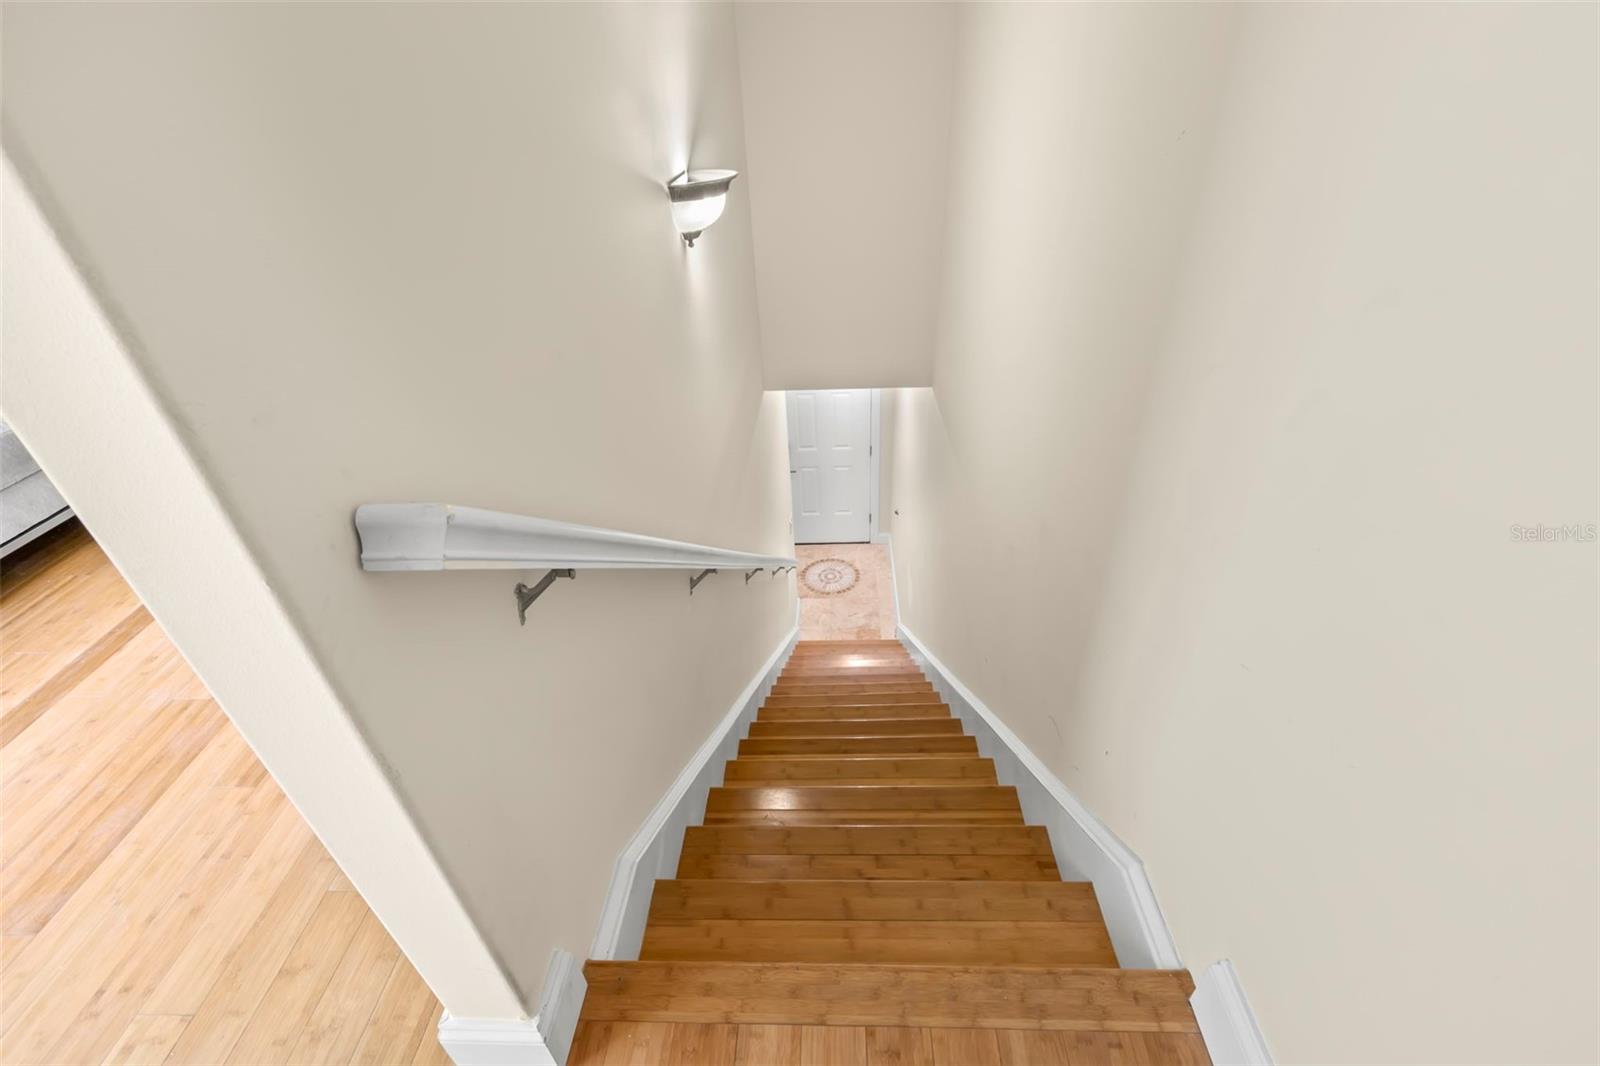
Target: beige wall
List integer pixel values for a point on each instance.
(1080, 139)
(1299, 663)
(847, 115)
(394, 252)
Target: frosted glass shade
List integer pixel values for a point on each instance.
(698, 200)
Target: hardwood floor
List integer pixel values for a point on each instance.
(863, 892)
(160, 900)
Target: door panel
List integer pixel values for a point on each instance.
(803, 420)
(830, 433)
(808, 494)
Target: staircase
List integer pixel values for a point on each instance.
(864, 891)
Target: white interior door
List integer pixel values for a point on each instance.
(830, 465)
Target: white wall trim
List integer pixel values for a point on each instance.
(875, 468)
(887, 540)
(543, 1040)
(1226, 1021)
(560, 1004)
(443, 536)
(653, 852)
(494, 1042)
(1083, 845)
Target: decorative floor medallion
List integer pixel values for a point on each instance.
(829, 577)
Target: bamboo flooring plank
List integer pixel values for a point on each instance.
(339, 1018)
(229, 1004)
(147, 1040)
(399, 1020)
(275, 1025)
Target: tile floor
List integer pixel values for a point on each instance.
(863, 612)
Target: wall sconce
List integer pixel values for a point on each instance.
(698, 197)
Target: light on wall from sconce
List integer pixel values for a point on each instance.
(698, 197)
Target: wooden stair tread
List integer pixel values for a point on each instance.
(864, 797)
(856, 657)
(830, 688)
(853, 690)
(901, 867)
(850, 699)
(865, 768)
(806, 681)
(870, 701)
(851, 657)
(949, 901)
(868, 840)
(863, 757)
(851, 665)
(883, 679)
(848, 651)
(879, 646)
(606, 1043)
(884, 646)
(927, 781)
(949, 743)
(848, 659)
(864, 712)
(945, 942)
(1009, 997)
(849, 673)
(837, 727)
(864, 817)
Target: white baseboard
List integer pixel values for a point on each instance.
(887, 540)
(653, 852)
(543, 1040)
(560, 1004)
(1084, 847)
(1226, 1021)
(493, 1042)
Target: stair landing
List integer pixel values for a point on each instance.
(863, 891)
